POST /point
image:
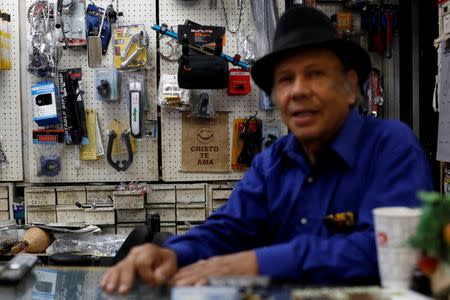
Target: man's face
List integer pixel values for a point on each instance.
(314, 94)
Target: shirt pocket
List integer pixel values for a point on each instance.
(310, 225)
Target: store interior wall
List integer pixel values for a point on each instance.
(425, 21)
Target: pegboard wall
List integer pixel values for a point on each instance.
(10, 106)
(145, 166)
(145, 163)
(173, 12)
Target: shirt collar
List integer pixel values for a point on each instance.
(344, 144)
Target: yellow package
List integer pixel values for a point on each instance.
(237, 145)
(89, 151)
(130, 46)
(2, 43)
(118, 147)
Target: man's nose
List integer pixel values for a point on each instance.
(300, 88)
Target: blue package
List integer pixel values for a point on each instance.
(45, 109)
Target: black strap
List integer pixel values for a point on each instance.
(185, 45)
(163, 28)
(219, 48)
(236, 59)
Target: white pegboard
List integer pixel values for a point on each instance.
(145, 164)
(10, 106)
(173, 12)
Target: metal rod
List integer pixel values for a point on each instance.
(174, 35)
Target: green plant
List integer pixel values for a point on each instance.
(433, 232)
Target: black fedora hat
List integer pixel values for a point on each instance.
(302, 27)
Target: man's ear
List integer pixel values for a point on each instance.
(352, 79)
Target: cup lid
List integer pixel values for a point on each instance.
(398, 211)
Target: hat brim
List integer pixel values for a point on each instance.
(352, 55)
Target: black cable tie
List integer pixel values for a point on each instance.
(236, 60)
(163, 28)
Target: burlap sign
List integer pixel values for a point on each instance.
(205, 144)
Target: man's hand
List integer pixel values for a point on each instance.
(242, 263)
(153, 264)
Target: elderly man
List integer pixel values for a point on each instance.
(303, 211)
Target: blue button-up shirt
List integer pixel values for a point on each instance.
(279, 206)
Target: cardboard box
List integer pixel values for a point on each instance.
(70, 195)
(218, 194)
(130, 215)
(182, 229)
(99, 216)
(4, 192)
(39, 196)
(128, 199)
(70, 214)
(99, 193)
(4, 204)
(221, 194)
(195, 193)
(168, 227)
(217, 203)
(161, 194)
(108, 229)
(125, 229)
(191, 212)
(166, 212)
(40, 214)
(4, 216)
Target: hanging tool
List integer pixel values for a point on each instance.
(379, 41)
(95, 45)
(163, 29)
(141, 39)
(389, 23)
(59, 22)
(124, 164)
(70, 19)
(374, 94)
(72, 103)
(251, 136)
(135, 109)
(42, 51)
(50, 165)
(97, 27)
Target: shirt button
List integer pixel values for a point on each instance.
(303, 221)
(310, 179)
